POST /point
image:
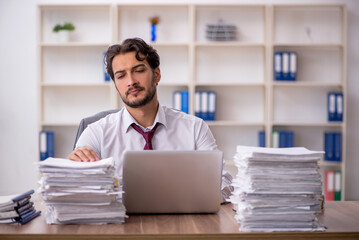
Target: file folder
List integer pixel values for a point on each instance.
(184, 101)
(337, 185)
(177, 100)
(197, 104)
(331, 106)
(278, 72)
(261, 139)
(292, 66)
(47, 142)
(337, 149)
(275, 139)
(204, 105)
(329, 185)
(329, 146)
(212, 105)
(339, 107)
(285, 65)
(107, 77)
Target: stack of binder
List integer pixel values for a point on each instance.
(17, 208)
(180, 100)
(277, 189)
(205, 105)
(333, 185)
(285, 66)
(81, 192)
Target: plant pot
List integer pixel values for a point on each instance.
(63, 36)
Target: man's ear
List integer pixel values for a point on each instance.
(157, 73)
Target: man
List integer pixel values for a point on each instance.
(143, 123)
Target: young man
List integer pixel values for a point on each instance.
(143, 123)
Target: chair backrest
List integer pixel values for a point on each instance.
(88, 120)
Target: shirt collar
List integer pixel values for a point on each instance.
(128, 119)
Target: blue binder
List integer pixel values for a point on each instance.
(107, 77)
(204, 105)
(337, 155)
(292, 66)
(261, 139)
(184, 101)
(290, 139)
(285, 65)
(212, 97)
(197, 104)
(177, 102)
(282, 139)
(47, 144)
(339, 106)
(329, 146)
(278, 72)
(331, 106)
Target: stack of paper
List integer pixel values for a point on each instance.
(277, 189)
(17, 208)
(81, 192)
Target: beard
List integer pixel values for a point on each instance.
(150, 94)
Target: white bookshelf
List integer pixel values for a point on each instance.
(71, 83)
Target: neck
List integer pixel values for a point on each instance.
(145, 115)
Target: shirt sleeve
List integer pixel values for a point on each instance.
(90, 139)
(206, 141)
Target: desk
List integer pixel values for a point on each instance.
(341, 218)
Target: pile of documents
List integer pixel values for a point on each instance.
(277, 189)
(81, 192)
(17, 208)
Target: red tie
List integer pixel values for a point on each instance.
(146, 135)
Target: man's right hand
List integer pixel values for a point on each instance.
(83, 154)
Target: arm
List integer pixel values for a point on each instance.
(85, 147)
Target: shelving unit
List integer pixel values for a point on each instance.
(241, 71)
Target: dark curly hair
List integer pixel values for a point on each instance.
(142, 49)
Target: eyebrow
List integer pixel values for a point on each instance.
(134, 67)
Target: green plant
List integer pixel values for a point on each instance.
(66, 26)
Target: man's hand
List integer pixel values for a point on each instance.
(83, 154)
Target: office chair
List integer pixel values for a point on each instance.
(88, 120)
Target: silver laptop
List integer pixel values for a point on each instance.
(172, 181)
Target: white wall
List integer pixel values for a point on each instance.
(18, 91)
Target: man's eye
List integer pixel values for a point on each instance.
(120, 76)
(140, 70)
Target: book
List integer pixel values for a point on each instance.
(46, 144)
(204, 105)
(177, 101)
(337, 147)
(329, 146)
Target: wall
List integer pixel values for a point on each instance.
(18, 91)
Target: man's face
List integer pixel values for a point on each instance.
(134, 80)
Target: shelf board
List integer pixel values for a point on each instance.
(75, 44)
(309, 45)
(60, 124)
(168, 44)
(324, 163)
(230, 84)
(234, 123)
(304, 84)
(164, 84)
(309, 124)
(228, 44)
(109, 84)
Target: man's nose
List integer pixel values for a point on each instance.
(131, 80)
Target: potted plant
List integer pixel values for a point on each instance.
(63, 31)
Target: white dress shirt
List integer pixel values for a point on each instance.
(112, 135)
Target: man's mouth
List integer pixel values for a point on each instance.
(134, 91)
